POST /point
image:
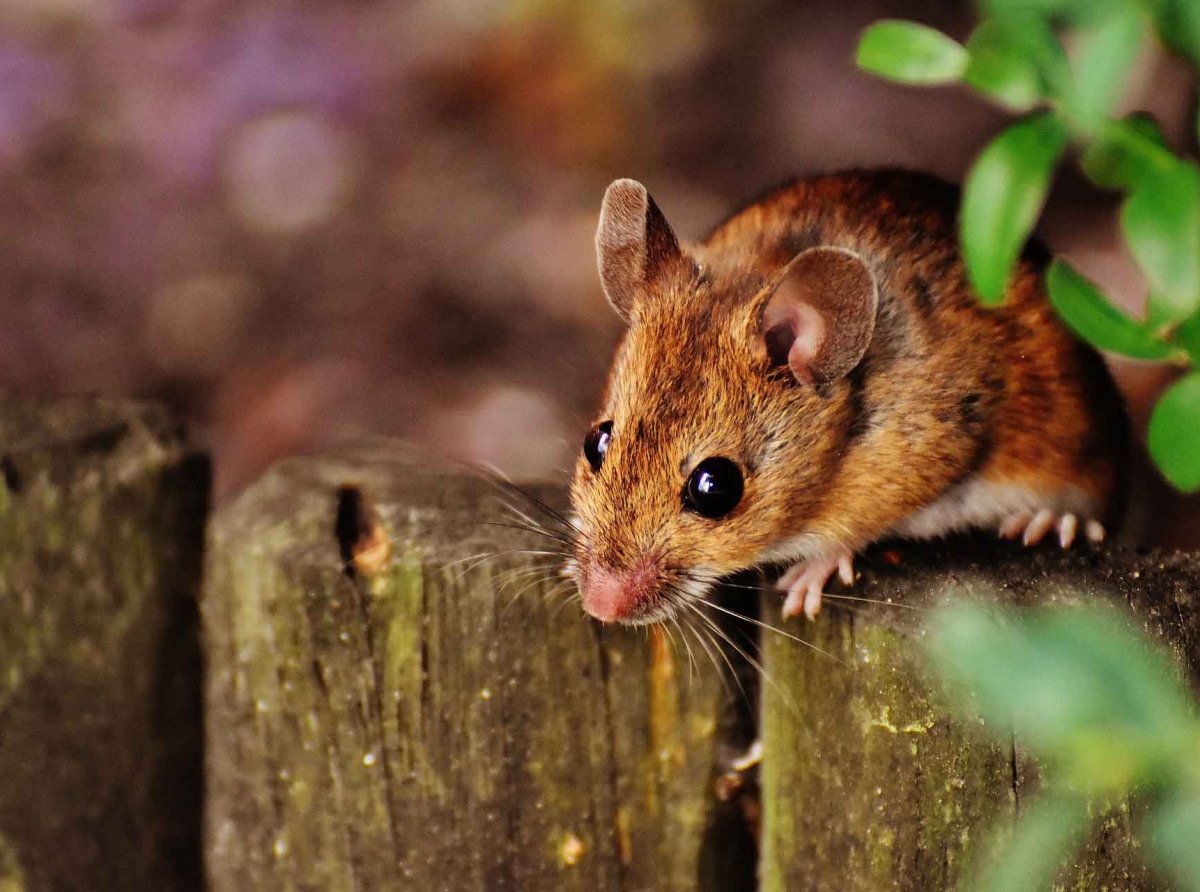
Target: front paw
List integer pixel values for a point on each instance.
(805, 581)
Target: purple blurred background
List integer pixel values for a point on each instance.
(300, 221)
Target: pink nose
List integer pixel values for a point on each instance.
(611, 596)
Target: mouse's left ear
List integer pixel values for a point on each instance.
(820, 317)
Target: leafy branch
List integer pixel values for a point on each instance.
(1016, 58)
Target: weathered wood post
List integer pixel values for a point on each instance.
(426, 724)
(102, 509)
(869, 782)
(438, 725)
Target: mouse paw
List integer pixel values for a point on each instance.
(805, 582)
(1032, 528)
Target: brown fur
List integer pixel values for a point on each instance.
(946, 389)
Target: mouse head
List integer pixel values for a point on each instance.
(719, 429)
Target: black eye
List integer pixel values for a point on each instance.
(714, 488)
(595, 444)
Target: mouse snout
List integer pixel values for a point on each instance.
(618, 595)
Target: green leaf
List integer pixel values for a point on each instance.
(1146, 710)
(1172, 832)
(1105, 58)
(1043, 838)
(1088, 693)
(1090, 314)
(1161, 222)
(1075, 12)
(1172, 435)
(976, 652)
(1179, 27)
(1030, 35)
(1127, 152)
(910, 53)
(1003, 197)
(997, 67)
(1005, 8)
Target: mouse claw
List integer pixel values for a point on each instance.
(846, 570)
(805, 582)
(1032, 528)
(1067, 526)
(1038, 527)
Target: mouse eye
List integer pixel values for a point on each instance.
(714, 488)
(595, 444)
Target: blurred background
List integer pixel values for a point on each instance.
(299, 221)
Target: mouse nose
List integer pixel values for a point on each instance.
(616, 595)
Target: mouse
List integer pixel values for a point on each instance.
(816, 375)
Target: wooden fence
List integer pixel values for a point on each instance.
(190, 702)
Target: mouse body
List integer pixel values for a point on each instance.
(815, 375)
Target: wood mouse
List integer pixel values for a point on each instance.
(816, 375)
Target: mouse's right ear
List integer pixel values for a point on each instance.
(635, 246)
(819, 318)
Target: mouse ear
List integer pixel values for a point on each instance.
(820, 317)
(634, 245)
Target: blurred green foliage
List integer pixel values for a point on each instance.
(1106, 715)
(1016, 57)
